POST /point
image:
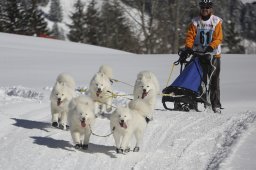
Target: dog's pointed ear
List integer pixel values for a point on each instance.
(57, 84)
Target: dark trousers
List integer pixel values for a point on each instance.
(214, 84)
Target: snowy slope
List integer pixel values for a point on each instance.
(173, 140)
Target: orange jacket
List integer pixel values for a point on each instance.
(217, 36)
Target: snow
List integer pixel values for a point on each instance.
(173, 140)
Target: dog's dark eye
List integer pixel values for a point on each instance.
(147, 86)
(96, 84)
(81, 113)
(62, 94)
(57, 94)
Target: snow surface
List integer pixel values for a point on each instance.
(173, 140)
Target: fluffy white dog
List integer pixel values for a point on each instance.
(126, 122)
(81, 117)
(100, 90)
(146, 88)
(62, 92)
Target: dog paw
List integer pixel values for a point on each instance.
(119, 150)
(136, 149)
(62, 127)
(147, 119)
(77, 146)
(127, 150)
(84, 147)
(55, 124)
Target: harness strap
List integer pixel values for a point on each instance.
(115, 80)
(170, 74)
(112, 131)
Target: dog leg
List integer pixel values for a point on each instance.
(63, 120)
(86, 139)
(125, 141)
(109, 105)
(103, 109)
(76, 137)
(138, 136)
(55, 117)
(117, 139)
(97, 109)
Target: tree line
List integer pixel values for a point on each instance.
(156, 26)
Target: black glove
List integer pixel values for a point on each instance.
(184, 54)
(208, 49)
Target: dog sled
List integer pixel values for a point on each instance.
(191, 87)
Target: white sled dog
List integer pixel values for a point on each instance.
(146, 88)
(62, 92)
(81, 117)
(100, 90)
(127, 122)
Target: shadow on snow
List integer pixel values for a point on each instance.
(52, 143)
(96, 148)
(31, 124)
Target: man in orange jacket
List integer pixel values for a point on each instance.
(205, 35)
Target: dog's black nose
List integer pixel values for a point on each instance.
(59, 99)
(144, 90)
(122, 121)
(83, 119)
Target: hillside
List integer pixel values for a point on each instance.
(173, 140)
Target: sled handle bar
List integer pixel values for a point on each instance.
(199, 53)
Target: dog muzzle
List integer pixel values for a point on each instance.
(123, 124)
(98, 92)
(83, 124)
(59, 102)
(144, 94)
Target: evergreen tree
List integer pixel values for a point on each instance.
(55, 13)
(37, 23)
(232, 39)
(2, 16)
(43, 2)
(249, 21)
(57, 32)
(92, 21)
(116, 31)
(15, 20)
(76, 33)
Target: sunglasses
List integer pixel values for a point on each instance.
(205, 7)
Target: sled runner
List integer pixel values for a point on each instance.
(191, 86)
